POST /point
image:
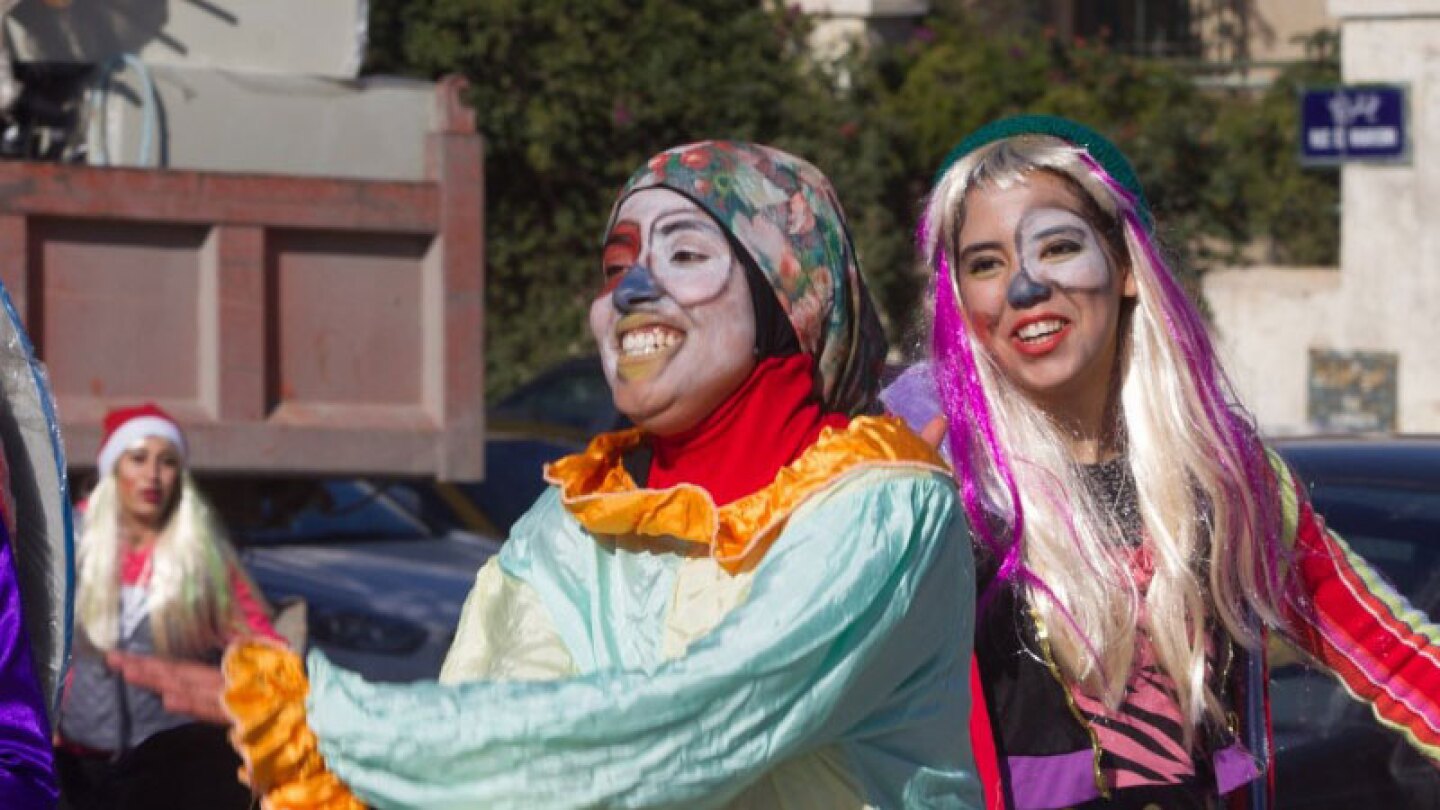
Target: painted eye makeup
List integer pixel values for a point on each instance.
(684, 256)
(610, 278)
(622, 250)
(1061, 248)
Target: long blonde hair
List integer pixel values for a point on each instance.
(1207, 497)
(190, 595)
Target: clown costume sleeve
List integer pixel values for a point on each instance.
(834, 674)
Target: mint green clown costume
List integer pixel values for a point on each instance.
(804, 647)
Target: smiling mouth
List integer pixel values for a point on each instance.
(645, 346)
(1041, 336)
(1039, 330)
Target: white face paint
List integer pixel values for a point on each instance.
(674, 322)
(1059, 249)
(1036, 282)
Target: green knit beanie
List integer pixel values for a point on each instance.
(1107, 154)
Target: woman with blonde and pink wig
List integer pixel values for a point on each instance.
(1136, 540)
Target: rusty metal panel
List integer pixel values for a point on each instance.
(114, 297)
(347, 327)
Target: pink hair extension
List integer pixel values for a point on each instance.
(963, 401)
(1183, 322)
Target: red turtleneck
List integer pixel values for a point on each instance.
(764, 425)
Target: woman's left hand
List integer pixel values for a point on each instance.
(185, 687)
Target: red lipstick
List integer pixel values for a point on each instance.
(1042, 346)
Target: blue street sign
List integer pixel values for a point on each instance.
(1357, 123)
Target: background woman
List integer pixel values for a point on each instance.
(1137, 540)
(751, 598)
(157, 577)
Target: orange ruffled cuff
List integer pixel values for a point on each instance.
(265, 689)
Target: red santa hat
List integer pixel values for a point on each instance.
(125, 426)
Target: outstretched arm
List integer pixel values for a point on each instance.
(1347, 617)
(857, 623)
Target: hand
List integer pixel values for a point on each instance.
(184, 686)
(934, 431)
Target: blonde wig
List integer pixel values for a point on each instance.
(1207, 496)
(190, 596)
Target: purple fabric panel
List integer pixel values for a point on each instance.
(27, 766)
(912, 397)
(1234, 766)
(1060, 780)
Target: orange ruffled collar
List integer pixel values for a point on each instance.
(597, 490)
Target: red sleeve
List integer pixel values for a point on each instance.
(257, 621)
(1384, 651)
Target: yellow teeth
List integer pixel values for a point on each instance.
(650, 340)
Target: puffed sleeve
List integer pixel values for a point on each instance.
(1351, 621)
(505, 634)
(857, 628)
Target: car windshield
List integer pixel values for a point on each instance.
(1392, 529)
(573, 394)
(343, 509)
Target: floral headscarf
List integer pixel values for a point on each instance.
(784, 212)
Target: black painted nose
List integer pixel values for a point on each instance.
(1025, 291)
(637, 287)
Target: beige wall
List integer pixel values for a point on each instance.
(214, 120)
(1390, 249)
(1265, 321)
(1385, 297)
(1262, 30)
(842, 24)
(314, 37)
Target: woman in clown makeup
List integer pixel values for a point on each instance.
(1136, 542)
(759, 597)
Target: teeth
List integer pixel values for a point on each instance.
(1040, 329)
(648, 340)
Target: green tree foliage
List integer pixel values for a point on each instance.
(1291, 212)
(572, 96)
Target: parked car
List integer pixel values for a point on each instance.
(1383, 497)
(552, 415)
(381, 566)
(572, 395)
